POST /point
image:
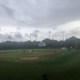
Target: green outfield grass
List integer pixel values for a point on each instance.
(63, 65)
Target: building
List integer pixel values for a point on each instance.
(41, 44)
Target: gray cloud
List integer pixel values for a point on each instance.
(27, 35)
(5, 37)
(55, 28)
(38, 13)
(35, 33)
(12, 32)
(18, 28)
(7, 15)
(12, 36)
(0, 29)
(6, 12)
(18, 35)
(75, 32)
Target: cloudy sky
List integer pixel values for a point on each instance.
(20, 18)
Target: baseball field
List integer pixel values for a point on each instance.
(33, 64)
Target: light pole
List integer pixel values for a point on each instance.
(76, 44)
(1, 38)
(66, 37)
(9, 38)
(36, 37)
(53, 38)
(60, 38)
(49, 34)
(63, 34)
(30, 36)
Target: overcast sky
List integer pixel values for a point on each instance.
(20, 18)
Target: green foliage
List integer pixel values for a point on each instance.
(71, 42)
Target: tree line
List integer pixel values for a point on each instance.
(71, 42)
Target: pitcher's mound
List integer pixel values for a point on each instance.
(29, 58)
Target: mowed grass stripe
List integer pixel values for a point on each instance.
(26, 53)
(61, 66)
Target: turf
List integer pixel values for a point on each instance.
(64, 65)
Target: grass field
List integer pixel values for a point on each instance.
(60, 65)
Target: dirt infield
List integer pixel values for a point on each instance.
(39, 57)
(26, 58)
(30, 58)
